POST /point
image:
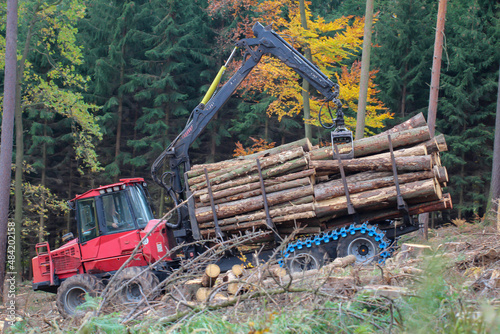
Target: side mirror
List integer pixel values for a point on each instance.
(67, 237)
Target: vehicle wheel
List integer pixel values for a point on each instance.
(363, 246)
(71, 293)
(306, 259)
(133, 291)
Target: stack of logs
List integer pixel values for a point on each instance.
(304, 188)
(214, 285)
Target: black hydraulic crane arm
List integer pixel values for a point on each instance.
(266, 41)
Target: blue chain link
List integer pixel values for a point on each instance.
(334, 235)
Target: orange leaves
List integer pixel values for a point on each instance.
(330, 43)
(348, 81)
(258, 145)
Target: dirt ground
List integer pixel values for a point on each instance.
(472, 251)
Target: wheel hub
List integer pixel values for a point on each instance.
(362, 248)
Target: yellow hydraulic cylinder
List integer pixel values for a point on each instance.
(214, 85)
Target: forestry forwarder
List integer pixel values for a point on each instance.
(112, 219)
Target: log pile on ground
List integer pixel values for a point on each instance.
(304, 188)
(239, 281)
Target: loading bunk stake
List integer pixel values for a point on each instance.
(401, 203)
(350, 208)
(218, 232)
(269, 221)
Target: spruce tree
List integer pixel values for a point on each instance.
(467, 106)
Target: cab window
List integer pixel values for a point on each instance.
(87, 218)
(140, 206)
(117, 214)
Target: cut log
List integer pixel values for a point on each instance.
(251, 166)
(405, 152)
(373, 197)
(271, 189)
(203, 293)
(260, 223)
(251, 204)
(197, 170)
(376, 144)
(208, 279)
(342, 262)
(190, 288)
(262, 215)
(415, 122)
(441, 174)
(237, 270)
(403, 164)
(336, 189)
(440, 205)
(287, 167)
(255, 185)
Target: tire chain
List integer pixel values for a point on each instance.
(335, 235)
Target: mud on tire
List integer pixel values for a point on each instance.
(125, 292)
(71, 293)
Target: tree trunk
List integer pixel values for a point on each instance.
(250, 204)
(9, 105)
(288, 210)
(495, 172)
(197, 170)
(245, 167)
(373, 198)
(305, 83)
(337, 189)
(376, 144)
(403, 164)
(256, 185)
(293, 165)
(415, 209)
(120, 119)
(41, 230)
(365, 71)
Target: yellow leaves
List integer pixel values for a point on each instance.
(330, 43)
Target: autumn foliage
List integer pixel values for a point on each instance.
(331, 44)
(258, 145)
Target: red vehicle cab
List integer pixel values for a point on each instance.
(111, 221)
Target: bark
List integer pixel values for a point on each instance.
(495, 172)
(269, 190)
(376, 144)
(365, 70)
(120, 118)
(260, 223)
(403, 164)
(324, 186)
(255, 185)
(436, 144)
(441, 174)
(251, 167)
(337, 189)
(197, 170)
(412, 123)
(438, 205)
(41, 231)
(290, 167)
(251, 204)
(7, 133)
(305, 83)
(259, 215)
(373, 198)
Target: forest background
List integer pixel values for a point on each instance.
(106, 85)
